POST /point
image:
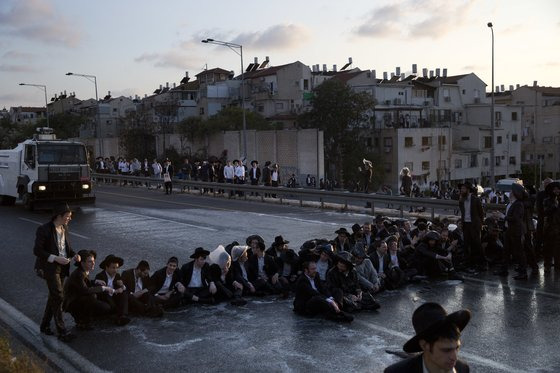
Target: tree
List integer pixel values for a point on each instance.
(65, 125)
(341, 114)
(231, 119)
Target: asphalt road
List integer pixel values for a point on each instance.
(514, 328)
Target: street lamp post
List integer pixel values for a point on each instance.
(93, 79)
(44, 88)
(234, 47)
(492, 124)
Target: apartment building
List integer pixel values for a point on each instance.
(27, 114)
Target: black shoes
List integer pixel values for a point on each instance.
(66, 337)
(238, 302)
(452, 275)
(84, 326)
(501, 272)
(47, 330)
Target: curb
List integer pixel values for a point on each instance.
(57, 354)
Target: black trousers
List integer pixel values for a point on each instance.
(86, 307)
(318, 305)
(202, 293)
(168, 187)
(141, 305)
(53, 309)
(551, 247)
(513, 247)
(267, 286)
(117, 302)
(473, 246)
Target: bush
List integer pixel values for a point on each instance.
(10, 363)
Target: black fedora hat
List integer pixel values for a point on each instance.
(430, 317)
(551, 186)
(342, 231)
(390, 239)
(253, 237)
(111, 259)
(420, 220)
(61, 209)
(198, 252)
(280, 241)
(346, 258)
(466, 184)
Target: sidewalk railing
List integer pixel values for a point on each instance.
(302, 194)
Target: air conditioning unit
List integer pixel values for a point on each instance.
(447, 99)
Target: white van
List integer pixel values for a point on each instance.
(504, 185)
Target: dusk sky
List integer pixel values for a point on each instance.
(134, 46)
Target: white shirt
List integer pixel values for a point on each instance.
(110, 281)
(240, 172)
(425, 369)
(165, 288)
(157, 168)
(61, 241)
(139, 285)
(274, 176)
(380, 263)
(228, 172)
(260, 262)
(254, 170)
(322, 268)
(196, 278)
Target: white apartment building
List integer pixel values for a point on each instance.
(27, 114)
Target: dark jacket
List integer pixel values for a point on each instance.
(288, 256)
(103, 277)
(253, 179)
(414, 365)
(45, 245)
(169, 169)
(187, 271)
(129, 281)
(78, 285)
(477, 213)
(515, 218)
(270, 267)
(348, 283)
(374, 257)
(266, 176)
(158, 279)
(237, 273)
(304, 292)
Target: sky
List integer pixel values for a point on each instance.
(133, 46)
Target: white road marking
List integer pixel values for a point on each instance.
(514, 287)
(468, 356)
(169, 220)
(39, 223)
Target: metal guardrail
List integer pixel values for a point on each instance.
(282, 192)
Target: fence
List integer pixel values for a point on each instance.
(302, 194)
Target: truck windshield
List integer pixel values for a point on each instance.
(61, 154)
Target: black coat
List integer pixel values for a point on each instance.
(348, 283)
(103, 277)
(129, 281)
(45, 246)
(187, 271)
(158, 279)
(237, 273)
(78, 285)
(254, 179)
(375, 261)
(304, 292)
(266, 176)
(270, 267)
(515, 218)
(477, 213)
(414, 365)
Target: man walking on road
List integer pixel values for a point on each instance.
(54, 253)
(472, 217)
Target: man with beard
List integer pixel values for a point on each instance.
(313, 299)
(472, 217)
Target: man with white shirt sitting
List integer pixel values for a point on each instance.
(118, 300)
(140, 301)
(166, 286)
(196, 277)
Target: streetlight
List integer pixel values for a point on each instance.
(234, 47)
(492, 125)
(44, 88)
(93, 79)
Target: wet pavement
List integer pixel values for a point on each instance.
(514, 326)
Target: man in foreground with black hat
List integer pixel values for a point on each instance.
(438, 338)
(196, 277)
(54, 253)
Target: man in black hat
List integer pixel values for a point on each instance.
(80, 293)
(287, 262)
(263, 271)
(438, 338)
(472, 216)
(165, 285)
(380, 228)
(118, 300)
(341, 241)
(255, 173)
(54, 253)
(196, 277)
(432, 260)
(551, 210)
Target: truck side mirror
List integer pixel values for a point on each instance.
(29, 156)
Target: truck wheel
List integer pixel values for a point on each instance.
(27, 202)
(7, 200)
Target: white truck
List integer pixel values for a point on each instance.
(43, 170)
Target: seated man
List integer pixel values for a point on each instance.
(80, 294)
(313, 299)
(432, 260)
(286, 261)
(342, 240)
(367, 275)
(239, 257)
(165, 285)
(325, 262)
(343, 284)
(196, 277)
(398, 271)
(220, 273)
(140, 301)
(118, 301)
(263, 272)
(380, 261)
(438, 338)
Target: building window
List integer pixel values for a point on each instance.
(408, 142)
(458, 163)
(464, 91)
(486, 162)
(465, 138)
(201, 111)
(550, 155)
(260, 108)
(305, 84)
(514, 137)
(388, 142)
(499, 140)
(547, 140)
(425, 166)
(279, 106)
(498, 161)
(376, 142)
(474, 161)
(512, 160)
(426, 141)
(487, 142)
(514, 115)
(442, 140)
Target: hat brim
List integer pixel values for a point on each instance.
(113, 259)
(460, 319)
(200, 253)
(341, 259)
(340, 231)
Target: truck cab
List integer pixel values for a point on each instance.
(44, 170)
